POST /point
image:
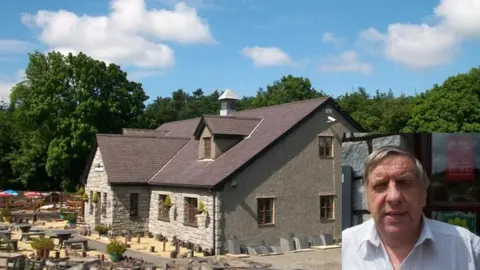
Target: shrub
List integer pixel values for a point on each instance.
(42, 243)
(116, 247)
(71, 217)
(101, 229)
(5, 212)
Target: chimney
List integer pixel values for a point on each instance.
(227, 102)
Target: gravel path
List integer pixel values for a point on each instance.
(309, 260)
(102, 247)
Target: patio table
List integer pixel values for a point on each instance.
(25, 227)
(6, 233)
(62, 235)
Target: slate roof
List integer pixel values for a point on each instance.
(170, 160)
(144, 132)
(136, 158)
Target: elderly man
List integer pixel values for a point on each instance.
(399, 236)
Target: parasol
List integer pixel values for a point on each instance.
(32, 194)
(8, 193)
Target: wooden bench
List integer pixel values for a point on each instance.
(68, 244)
(26, 236)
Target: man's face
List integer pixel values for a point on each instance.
(395, 195)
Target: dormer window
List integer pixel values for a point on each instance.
(207, 147)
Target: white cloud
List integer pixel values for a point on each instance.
(267, 56)
(13, 46)
(345, 62)
(197, 4)
(128, 35)
(421, 46)
(7, 83)
(461, 16)
(331, 38)
(415, 46)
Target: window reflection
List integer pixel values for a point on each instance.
(455, 168)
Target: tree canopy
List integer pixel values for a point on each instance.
(47, 130)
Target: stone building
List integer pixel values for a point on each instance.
(259, 174)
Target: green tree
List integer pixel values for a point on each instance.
(450, 107)
(8, 142)
(180, 106)
(60, 106)
(382, 112)
(287, 89)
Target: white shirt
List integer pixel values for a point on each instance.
(441, 246)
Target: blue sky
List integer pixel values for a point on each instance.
(245, 44)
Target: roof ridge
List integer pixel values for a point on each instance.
(149, 129)
(232, 117)
(287, 104)
(183, 120)
(142, 137)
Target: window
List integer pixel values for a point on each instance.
(191, 205)
(207, 143)
(327, 207)
(133, 204)
(99, 167)
(265, 211)
(163, 211)
(325, 146)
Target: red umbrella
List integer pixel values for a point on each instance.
(32, 194)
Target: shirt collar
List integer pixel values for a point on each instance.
(372, 236)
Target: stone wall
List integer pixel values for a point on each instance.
(97, 181)
(121, 203)
(354, 155)
(203, 234)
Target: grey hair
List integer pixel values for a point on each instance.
(381, 153)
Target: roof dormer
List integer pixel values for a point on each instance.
(217, 134)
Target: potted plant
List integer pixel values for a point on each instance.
(5, 213)
(115, 250)
(168, 202)
(71, 219)
(102, 230)
(201, 208)
(201, 214)
(95, 197)
(43, 246)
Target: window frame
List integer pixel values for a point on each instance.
(324, 208)
(322, 146)
(262, 211)
(190, 211)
